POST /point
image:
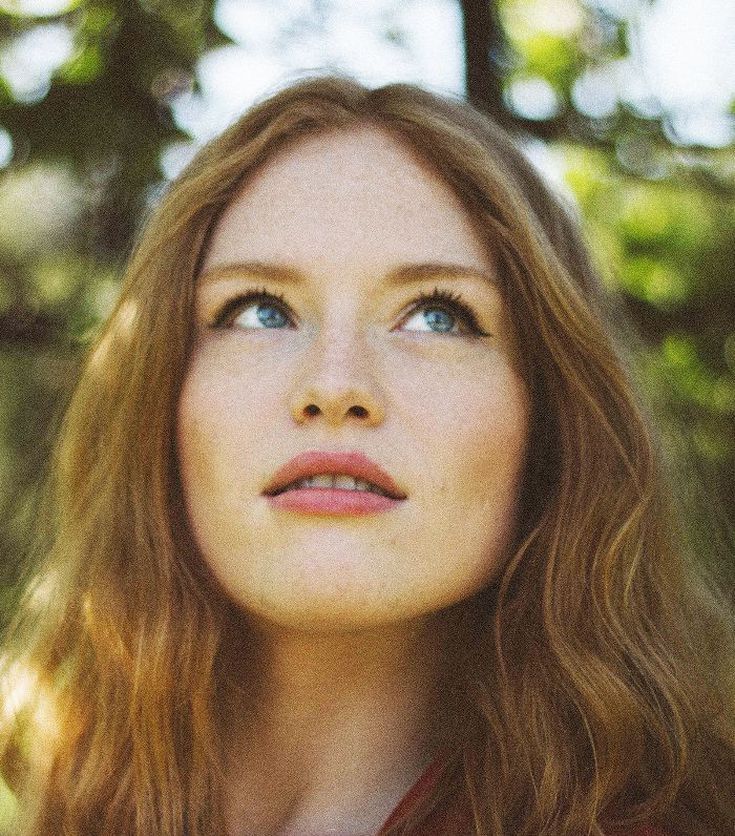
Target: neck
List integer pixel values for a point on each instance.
(334, 718)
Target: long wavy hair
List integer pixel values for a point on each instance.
(597, 693)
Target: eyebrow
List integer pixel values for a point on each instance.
(404, 274)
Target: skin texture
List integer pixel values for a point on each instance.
(350, 617)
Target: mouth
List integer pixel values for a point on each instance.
(334, 472)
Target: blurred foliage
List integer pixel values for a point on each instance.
(87, 122)
(668, 245)
(87, 135)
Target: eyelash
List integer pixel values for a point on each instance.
(439, 298)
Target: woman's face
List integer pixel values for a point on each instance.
(350, 229)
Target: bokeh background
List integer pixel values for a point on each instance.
(627, 105)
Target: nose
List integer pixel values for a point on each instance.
(337, 383)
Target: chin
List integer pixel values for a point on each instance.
(338, 608)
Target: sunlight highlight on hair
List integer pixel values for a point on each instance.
(17, 689)
(120, 331)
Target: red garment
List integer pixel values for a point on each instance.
(442, 822)
(451, 820)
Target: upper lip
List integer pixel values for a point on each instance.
(318, 462)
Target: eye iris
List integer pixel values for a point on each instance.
(268, 318)
(432, 318)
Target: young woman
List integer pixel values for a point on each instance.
(359, 524)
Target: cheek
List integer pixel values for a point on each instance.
(202, 432)
(216, 415)
(495, 431)
(480, 411)
(497, 447)
(482, 462)
(212, 437)
(216, 439)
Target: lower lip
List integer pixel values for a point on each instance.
(333, 501)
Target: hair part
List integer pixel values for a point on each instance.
(585, 704)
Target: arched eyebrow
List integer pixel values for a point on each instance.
(403, 274)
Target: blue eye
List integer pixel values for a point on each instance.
(271, 313)
(443, 300)
(271, 303)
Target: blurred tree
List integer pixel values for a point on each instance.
(660, 213)
(87, 95)
(87, 136)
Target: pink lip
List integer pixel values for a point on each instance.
(318, 462)
(332, 501)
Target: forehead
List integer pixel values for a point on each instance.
(348, 198)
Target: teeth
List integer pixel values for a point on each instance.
(347, 483)
(324, 481)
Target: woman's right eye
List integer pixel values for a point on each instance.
(269, 313)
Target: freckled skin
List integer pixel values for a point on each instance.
(446, 415)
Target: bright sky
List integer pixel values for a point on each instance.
(688, 59)
(278, 40)
(683, 57)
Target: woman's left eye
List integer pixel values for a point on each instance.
(441, 301)
(436, 306)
